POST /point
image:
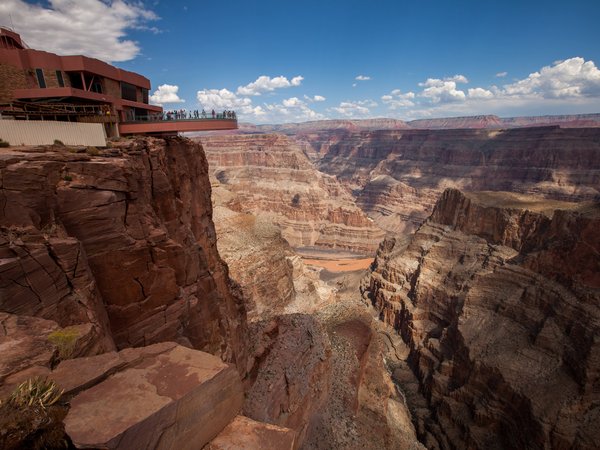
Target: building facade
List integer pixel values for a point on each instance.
(38, 85)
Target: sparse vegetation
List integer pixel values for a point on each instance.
(68, 178)
(32, 417)
(92, 151)
(65, 338)
(4, 143)
(59, 142)
(36, 392)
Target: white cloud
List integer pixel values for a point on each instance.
(573, 77)
(93, 28)
(316, 98)
(220, 99)
(480, 93)
(396, 99)
(265, 83)
(358, 109)
(362, 78)
(164, 94)
(353, 84)
(291, 110)
(501, 74)
(443, 91)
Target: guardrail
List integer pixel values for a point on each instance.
(168, 116)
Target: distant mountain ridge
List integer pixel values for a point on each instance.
(489, 121)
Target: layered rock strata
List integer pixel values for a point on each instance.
(499, 309)
(123, 240)
(270, 174)
(397, 175)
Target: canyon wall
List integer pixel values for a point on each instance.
(499, 308)
(122, 239)
(397, 175)
(270, 174)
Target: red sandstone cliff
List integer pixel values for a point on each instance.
(500, 310)
(398, 175)
(123, 240)
(270, 174)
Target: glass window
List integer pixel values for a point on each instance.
(39, 73)
(59, 78)
(128, 91)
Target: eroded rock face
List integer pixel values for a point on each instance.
(288, 375)
(501, 317)
(271, 174)
(163, 396)
(398, 175)
(124, 241)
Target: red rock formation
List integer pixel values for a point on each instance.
(162, 396)
(399, 175)
(124, 241)
(270, 174)
(500, 313)
(288, 375)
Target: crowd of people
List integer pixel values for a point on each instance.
(181, 114)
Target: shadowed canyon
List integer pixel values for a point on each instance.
(328, 285)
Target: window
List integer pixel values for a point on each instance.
(128, 92)
(59, 78)
(39, 73)
(145, 96)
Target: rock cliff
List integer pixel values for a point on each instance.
(121, 239)
(271, 174)
(498, 306)
(397, 175)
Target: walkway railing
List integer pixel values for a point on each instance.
(181, 116)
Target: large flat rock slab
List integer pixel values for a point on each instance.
(163, 396)
(247, 434)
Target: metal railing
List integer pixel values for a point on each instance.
(180, 116)
(50, 109)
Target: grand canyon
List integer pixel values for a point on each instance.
(324, 285)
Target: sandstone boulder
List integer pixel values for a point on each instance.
(163, 396)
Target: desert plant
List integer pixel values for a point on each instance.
(4, 143)
(92, 151)
(65, 338)
(36, 392)
(68, 178)
(59, 142)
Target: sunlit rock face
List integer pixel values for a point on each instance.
(397, 175)
(499, 307)
(271, 174)
(123, 240)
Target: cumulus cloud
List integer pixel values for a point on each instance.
(316, 98)
(480, 93)
(396, 99)
(443, 91)
(501, 74)
(94, 28)
(356, 109)
(291, 109)
(164, 94)
(265, 83)
(362, 78)
(573, 77)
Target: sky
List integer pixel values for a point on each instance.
(290, 61)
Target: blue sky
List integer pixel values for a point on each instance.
(281, 61)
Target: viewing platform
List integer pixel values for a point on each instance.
(170, 123)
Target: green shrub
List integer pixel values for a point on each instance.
(65, 338)
(4, 143)
(58, 142)
(92, 151)
(68, 178)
